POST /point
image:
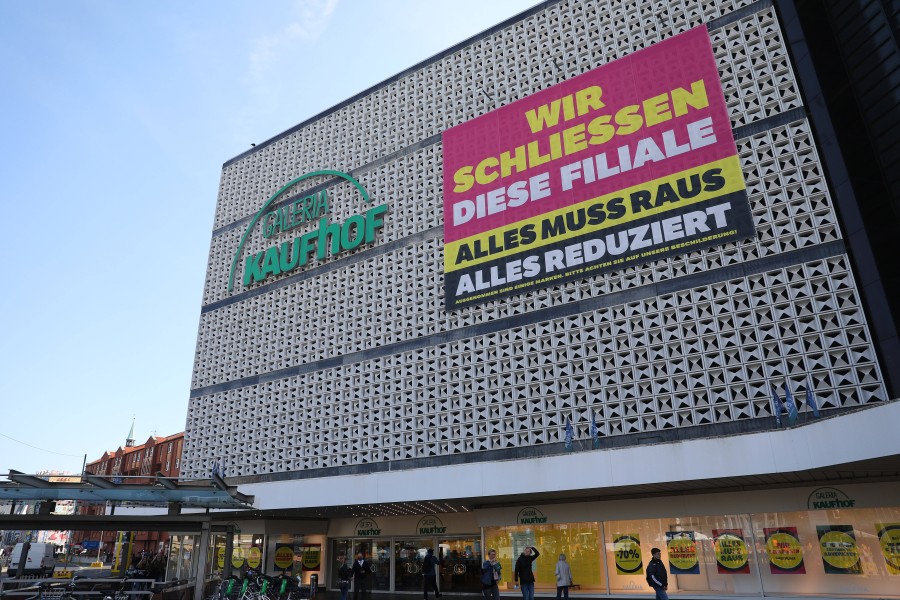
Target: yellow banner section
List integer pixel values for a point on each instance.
(648, 199)
(889, 539)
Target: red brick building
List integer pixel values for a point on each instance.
(135, 465)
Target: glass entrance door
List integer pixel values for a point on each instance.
(341, 550)
(460, 565)
(408, 557)
(381, 565)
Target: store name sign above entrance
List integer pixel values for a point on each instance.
(622, 165)
(430, 525)
(367, 528)
(327, 238)
(827, 498)
(530, 516)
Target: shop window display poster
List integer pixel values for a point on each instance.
(731, 551)
(784, 550)
(682, 553)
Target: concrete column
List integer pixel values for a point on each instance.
(201, 562)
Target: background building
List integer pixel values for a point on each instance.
(10, 537)
(344, 394)
(132, 465)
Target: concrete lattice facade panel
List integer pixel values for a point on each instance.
(356, 361)
(787, 192)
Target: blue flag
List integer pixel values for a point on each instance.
(777, 406)
(793, 413)
(595, 435)
(569, 434)
(811, 398)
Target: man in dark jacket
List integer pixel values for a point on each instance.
(430, 571)
(657, 576)
(362, 570)
(523, 574)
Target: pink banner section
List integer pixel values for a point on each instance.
(653, 113)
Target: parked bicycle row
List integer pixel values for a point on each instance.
(257, 586)
(77, 588)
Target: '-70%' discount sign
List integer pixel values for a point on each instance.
(624, 164)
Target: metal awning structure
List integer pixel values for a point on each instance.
(175, 523)
(212, 493)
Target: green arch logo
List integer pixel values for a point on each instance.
(367, 527)
(530, 516)
(287, 256)
(430, 525)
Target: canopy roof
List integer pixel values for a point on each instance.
(212, 493)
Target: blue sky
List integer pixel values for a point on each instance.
(115, 119)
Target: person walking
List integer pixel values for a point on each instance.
(657, 576)
(563, 577)
(430, 571)
(491, 574)
(344, 575)
(524, 575)
(362, 570)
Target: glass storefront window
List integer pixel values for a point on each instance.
(690, 547)
(408, 559)
(398, 562)
(182, 561)
(381, 565)
(215, 560)
(246, 552)
(172, 562)
(460, 565)
(841, 552)
(341, 550)
(378, 552)
(580, 542)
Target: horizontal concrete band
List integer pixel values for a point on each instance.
(815, 445)
(777, 261)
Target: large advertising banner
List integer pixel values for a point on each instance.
(624, 164)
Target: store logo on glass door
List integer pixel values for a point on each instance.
(367, 527)
(530, 516)
(430, 525)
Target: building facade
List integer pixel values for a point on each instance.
(428, 320)
(135, 465)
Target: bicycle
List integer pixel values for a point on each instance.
(250, 588)
(46, 591)
(290, 588)
(119, 594)
(225, 589)
(69, 590)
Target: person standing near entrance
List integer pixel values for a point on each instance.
(524, 575)
(344, 574)
(563, 578)
(430, 571)
(491, 573)
(362, 570)
(657, 576)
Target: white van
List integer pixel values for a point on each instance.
(39, 561)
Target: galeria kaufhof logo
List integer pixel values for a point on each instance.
(327, 238)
